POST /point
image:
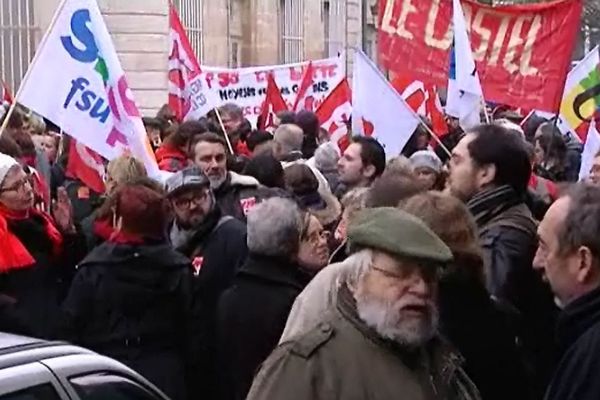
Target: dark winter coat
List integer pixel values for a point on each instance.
(39, 289)
(507, 233)
(342, 358)
(238, 194)
(134, 303)
(217, 249)
(578, 332)
(250, 319)
(484, 333)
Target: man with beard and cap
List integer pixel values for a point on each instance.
(235, 194)
(216, 244)
(380, 339)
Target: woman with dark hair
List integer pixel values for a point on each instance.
(267, 170)
(173, 154)
(479, 327)
(309, 122)
(304, 186)
(550, 153)
(131, 298)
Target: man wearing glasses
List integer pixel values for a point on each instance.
(380, 339)
(215, 243)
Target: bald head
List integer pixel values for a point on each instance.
(287, 138)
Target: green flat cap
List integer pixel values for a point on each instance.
(397, 232)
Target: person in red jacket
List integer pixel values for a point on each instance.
(173, 154)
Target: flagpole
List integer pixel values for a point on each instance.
(218, 113)
(485, 111)
(33, 61)
(436, 138)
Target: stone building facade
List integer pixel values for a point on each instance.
(223, 33)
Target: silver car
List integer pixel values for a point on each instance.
(34, 369)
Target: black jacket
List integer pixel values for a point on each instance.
(578, 332)
(485, 334)
(507, 233)
(218, 249)
(238, 194)
(251, 317)
(37, 291)
(134, 303)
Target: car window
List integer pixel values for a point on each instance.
(104, 386)
(39, 392)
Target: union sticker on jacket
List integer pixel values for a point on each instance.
(247, 204)
(197, 264)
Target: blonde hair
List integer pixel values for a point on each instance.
(125, 169)
(399, 166)
(36, 124)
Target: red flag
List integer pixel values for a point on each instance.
(6, 96)
(424, 100)
(435, 113)
(273, 104)
(183, 66)
(305, 96)
(85, 165)
(334, 114)
(413, 92)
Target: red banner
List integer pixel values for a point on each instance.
(523, 52)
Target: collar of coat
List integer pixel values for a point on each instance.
(277, 270)
(437, 355)
(578, 317)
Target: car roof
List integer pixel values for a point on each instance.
(17, 350)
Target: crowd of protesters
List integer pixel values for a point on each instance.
(272, 265)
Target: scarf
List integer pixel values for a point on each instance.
(187, 241)
(488, 204)
(105, 230)
(14, 255)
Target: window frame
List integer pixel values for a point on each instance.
(21, 377)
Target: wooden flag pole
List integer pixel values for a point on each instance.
(218, 113)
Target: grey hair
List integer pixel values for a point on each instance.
(232, 109)
(289, 137)
(359, 263)
(275, 227)
(582, 223)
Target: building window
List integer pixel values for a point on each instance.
(17, 40)
(334, 21)
(291, 27)
(235, 33)
(190, 13)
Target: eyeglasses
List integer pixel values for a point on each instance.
(430, 273)
(17, 186)
(196, 198)
(315, 237)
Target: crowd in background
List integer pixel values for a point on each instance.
(293, 270)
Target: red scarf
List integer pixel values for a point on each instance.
(105, 230)
(14, 255)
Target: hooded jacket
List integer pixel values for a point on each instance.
(134, 303)
(578, 334)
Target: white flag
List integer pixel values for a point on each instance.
(465, 96)
(590, 149)
(378, 110)
(77, 82)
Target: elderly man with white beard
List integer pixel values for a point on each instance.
(380, 340)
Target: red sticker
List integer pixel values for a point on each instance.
(197, 264)
(247, 204)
